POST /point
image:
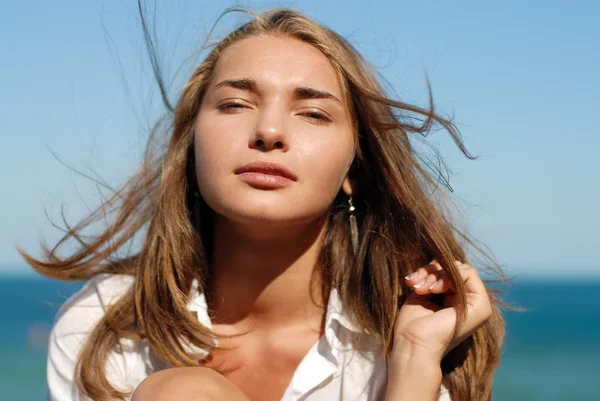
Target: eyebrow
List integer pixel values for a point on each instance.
(310, 93)
(244, 84)
(301, 92)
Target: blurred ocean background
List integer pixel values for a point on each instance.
(552, 351)
(520, 78)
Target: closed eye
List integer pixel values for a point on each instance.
(317, 118)
(231, 108)
(313, 116)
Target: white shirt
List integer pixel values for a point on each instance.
(332, 370)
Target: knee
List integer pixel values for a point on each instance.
(182, 384)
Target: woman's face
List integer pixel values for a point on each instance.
(274, 138)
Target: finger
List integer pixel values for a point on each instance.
(471, 279)
(416, 301)
(421, 274)
(442, 285)
(479, 307)
(423, 287)
(422, 281)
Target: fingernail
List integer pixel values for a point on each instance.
(412, 276)
(434, 284)
(419, 284)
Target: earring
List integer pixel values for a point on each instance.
(353, 226)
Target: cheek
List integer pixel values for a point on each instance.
(327, 160)
(211, 150)
(205, 149)
(214, 143)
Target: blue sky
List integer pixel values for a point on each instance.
(520, 78)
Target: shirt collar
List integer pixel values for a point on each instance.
(197, 304)
(341, 327)
(340, 323)
(337, 312)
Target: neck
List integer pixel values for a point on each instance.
(266, 276)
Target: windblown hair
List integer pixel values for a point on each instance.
(401, 213)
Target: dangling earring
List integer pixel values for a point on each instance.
(353, 226)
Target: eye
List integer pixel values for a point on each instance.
(231, 108)
(316, 117)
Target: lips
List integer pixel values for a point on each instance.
(268, 168)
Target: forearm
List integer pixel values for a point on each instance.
(413, 377)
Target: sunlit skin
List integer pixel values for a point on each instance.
(262, 105)
(278, 99)
(272, 99)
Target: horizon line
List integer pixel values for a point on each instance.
(515, 271)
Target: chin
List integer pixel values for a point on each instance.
(267, 215)
(265, 208)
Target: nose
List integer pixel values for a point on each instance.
(270, 132)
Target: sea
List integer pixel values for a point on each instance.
(551, 352)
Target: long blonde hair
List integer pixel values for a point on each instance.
(401, 215)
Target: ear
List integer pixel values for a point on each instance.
(349, 186)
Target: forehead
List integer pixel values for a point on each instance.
(278, 61)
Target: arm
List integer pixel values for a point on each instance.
(412, 376)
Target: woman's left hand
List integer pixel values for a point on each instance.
(425, 328)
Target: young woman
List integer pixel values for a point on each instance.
(294, 246)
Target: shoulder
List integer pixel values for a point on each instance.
(82, 311)
(74, 322)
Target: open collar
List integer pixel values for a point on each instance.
(339, 321)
